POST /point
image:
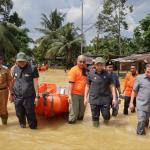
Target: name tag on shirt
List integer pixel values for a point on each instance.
(26, 75)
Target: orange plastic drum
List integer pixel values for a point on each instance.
(42, 88)
(40, 106)
(51, 88)
(64, 103)
(48, 107)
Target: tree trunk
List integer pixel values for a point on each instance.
(69, 58)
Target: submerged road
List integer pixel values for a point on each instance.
(56, 134)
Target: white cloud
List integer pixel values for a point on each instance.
(131, 23)
(140, 10)
(30, 11)
(22, 6)
(91, 10)
(73, 14)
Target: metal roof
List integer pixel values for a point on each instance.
(135, 58)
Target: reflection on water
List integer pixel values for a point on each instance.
(57, 134)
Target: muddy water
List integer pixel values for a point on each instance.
(57, 134)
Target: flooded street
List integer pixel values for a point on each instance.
(56, 134)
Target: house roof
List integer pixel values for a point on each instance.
(135, 58)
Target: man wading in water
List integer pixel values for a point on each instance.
(100, 89)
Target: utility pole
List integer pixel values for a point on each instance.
(82, 29)
(97, 40)
(119, 38)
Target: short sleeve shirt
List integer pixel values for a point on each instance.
(142, 86)
(115, 79)
(5, 77)
(128, 84)
(35, 73)
(99, 83)
(78, 79)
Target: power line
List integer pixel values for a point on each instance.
(95, 10)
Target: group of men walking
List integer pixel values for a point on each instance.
(100, 86)
(96, 84)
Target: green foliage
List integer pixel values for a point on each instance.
(112, 18)
(142, 35)
(58, 40)
(111, 21)
(5, 8)
(66, 44)
(13, 38)
(15, 19)
(108, 47)
(9, 45)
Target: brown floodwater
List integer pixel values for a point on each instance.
(56, 134)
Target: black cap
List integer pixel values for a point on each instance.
(109, 63)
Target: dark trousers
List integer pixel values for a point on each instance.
(104, 109)
(25, 109)
(126, 104)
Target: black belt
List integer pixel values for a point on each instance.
(3, 88)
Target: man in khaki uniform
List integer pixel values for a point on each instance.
(5, 82)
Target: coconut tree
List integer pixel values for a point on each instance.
(5, 8)
(50, 24)
(8, 42)
(12, 39)
(66, 44)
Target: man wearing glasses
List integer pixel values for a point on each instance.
(77, 81)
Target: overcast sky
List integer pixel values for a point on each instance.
(31, 10)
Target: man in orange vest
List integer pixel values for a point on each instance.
(128, 87)
(77, 82)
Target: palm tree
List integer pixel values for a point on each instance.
(50, 25)
(66, 44)
(8, 42)
(12, 39)
(5, 8)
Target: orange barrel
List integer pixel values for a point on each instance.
(40, 106)
(55, 104)
(51, 88)
(48, 107)
(42, 87)
(64, 103)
